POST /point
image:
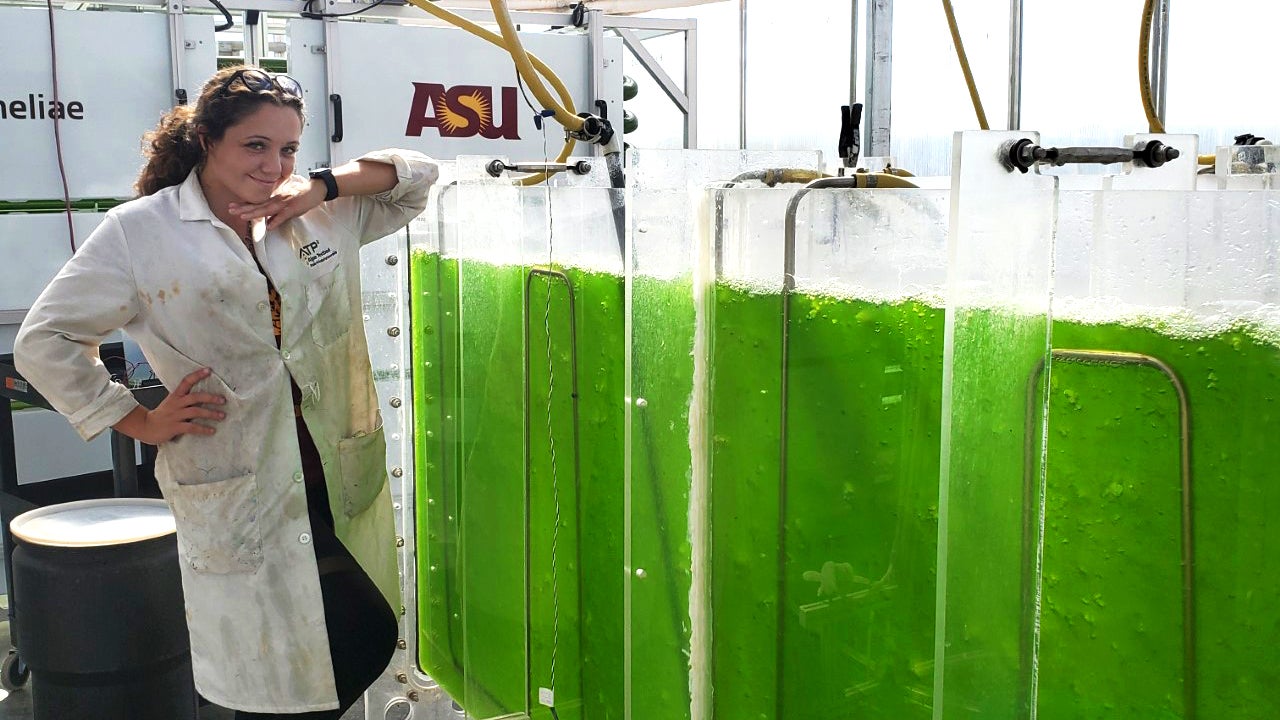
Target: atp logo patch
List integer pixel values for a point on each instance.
(312, 254)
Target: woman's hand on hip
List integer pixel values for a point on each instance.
(176, 415)
(294, 197)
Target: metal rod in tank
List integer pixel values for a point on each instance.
(552, 276)
(1106, 357)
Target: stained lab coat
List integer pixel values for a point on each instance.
(185, 288)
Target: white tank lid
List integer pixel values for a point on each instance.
(90, 523)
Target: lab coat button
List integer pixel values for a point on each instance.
(297, 477)
(304, 538)
(285, 355)
(262, 305)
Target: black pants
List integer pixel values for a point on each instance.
(362, 629)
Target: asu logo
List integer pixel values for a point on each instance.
(462, 111)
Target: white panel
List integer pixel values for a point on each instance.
(115, 67)
(306, 65)
(33, 249)
(200, 52)
(48, 447)
(380, 69)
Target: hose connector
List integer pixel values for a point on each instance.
(595, 130)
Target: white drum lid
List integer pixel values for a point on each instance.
(92, 523)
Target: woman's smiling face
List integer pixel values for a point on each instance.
(254, 156)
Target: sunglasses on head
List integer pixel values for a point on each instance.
(258, 80)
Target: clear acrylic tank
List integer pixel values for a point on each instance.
(822, 437)
(1109, 532)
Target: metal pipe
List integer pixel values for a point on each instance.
(879, 86)
(742, 75)
(551, 275)
(1016, 14)
(853, 52)
(691, 88)
(1160, 68)
(1028, 639)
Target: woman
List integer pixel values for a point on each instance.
(240, 282)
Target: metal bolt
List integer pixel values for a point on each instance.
(399, 541)
(393, 331)
(395, 402)
(392, 259)
(402, 678)
(402, 644)
(413, 695)
(397, 472)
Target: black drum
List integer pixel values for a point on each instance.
(98, 611)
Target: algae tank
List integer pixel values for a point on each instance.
(983, 507)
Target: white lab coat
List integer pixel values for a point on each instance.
(184, 287)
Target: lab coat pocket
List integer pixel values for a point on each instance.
(218, 523)
(328, 303)
(363, 461)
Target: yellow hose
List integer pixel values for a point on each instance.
(882, 180)
(1144, 70)
(964, 65)
(793, 175)
(532, 60)
(566, 117)
(1207, 159)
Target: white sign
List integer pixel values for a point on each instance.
(114, 83)
(448, 93)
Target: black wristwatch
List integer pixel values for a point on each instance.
(330, 184)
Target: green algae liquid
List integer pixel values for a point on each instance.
(1122, 632)
(823, 580)
(861, 519)
(485, 536)
(1113, 622)
(859, 527)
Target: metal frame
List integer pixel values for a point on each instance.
(1016, 8)
(634, 31)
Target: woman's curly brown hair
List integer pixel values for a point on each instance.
(174, 148)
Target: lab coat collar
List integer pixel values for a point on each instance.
(192, 204)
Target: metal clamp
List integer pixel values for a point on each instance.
(497, 167)
(1022, 155)
(595, 130)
